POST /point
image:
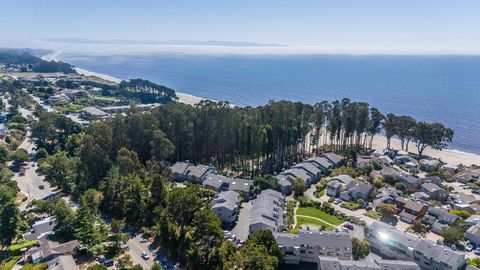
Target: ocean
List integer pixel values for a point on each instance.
(443, 89)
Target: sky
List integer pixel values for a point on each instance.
(416, 25)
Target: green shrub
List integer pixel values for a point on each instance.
(10, 263)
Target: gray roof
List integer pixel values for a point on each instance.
(322, 162)
(308, 167)
(180, 167)
(94, 111)
(437, 253)
(394, 235)
(297, 173)
(334, 158)
(65, 262)
(314, 238)
(411, 179)
(387, 171)
(363, 188)
(396, 264)
(283, 180)
(462, 198)
(333, 263)
(227, 199)
(267, 208)
(41, 228)
(431, 187)
(219, 181)
(344, 179)
(429, 248)
(216, 181)
(198, 171)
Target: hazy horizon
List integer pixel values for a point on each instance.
(363, 27)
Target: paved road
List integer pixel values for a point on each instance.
(137, 245)
(243, 222)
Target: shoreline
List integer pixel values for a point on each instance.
(182, 97)
(449, 156)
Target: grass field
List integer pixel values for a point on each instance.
(319, 214)
(316, 217)
(301, 221)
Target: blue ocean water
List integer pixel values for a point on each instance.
(443, 89)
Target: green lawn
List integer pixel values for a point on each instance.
(301, 221)
(320, 193)
(10, 263)
(317, 213)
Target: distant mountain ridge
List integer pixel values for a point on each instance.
(159, 42)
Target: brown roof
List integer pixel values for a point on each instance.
(415, 206)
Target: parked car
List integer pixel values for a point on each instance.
(477, 251)
(348, 226)
(337, 201)
(145, 256)
(469, 247)
(41, 187)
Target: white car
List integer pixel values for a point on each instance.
(145, 256)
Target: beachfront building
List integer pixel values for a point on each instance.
(226, 204)
(386, 240)
(333, 263)
(307, 246)
(267, 212)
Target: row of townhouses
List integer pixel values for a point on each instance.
(309, 171)
(389, 242)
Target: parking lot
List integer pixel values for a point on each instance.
(243, 222)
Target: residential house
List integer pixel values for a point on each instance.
(412, 211)
(58, 100)
(338, 184)
(462, 201)
(311, 169)
(386, 240)
(383, 160)
(74, 94)
(299, 173)
(406, 160)
(222, 183)
(226, 204)
(48, 250)
(90, 113)
(383, 152)
(179, 170)
(322, 163)
(439, 218)
(390, 174)
(473, 220)
(467, 176)
(197, 174)
(308, 245)
(473, 235)
(420, 196)
(434, 192)
(363, 161)
(285, 184)
(411, 182)
(433, 179)
(65, 262)
(429, 165)
(359, 191)
(451, 169)
(335, 159)
(40, 229)
(333, 263)
(267, 211)
(386, 195)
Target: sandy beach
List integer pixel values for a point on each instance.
(182, 97)
(448, 156)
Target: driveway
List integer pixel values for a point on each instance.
(137, 245)
(243, 223)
